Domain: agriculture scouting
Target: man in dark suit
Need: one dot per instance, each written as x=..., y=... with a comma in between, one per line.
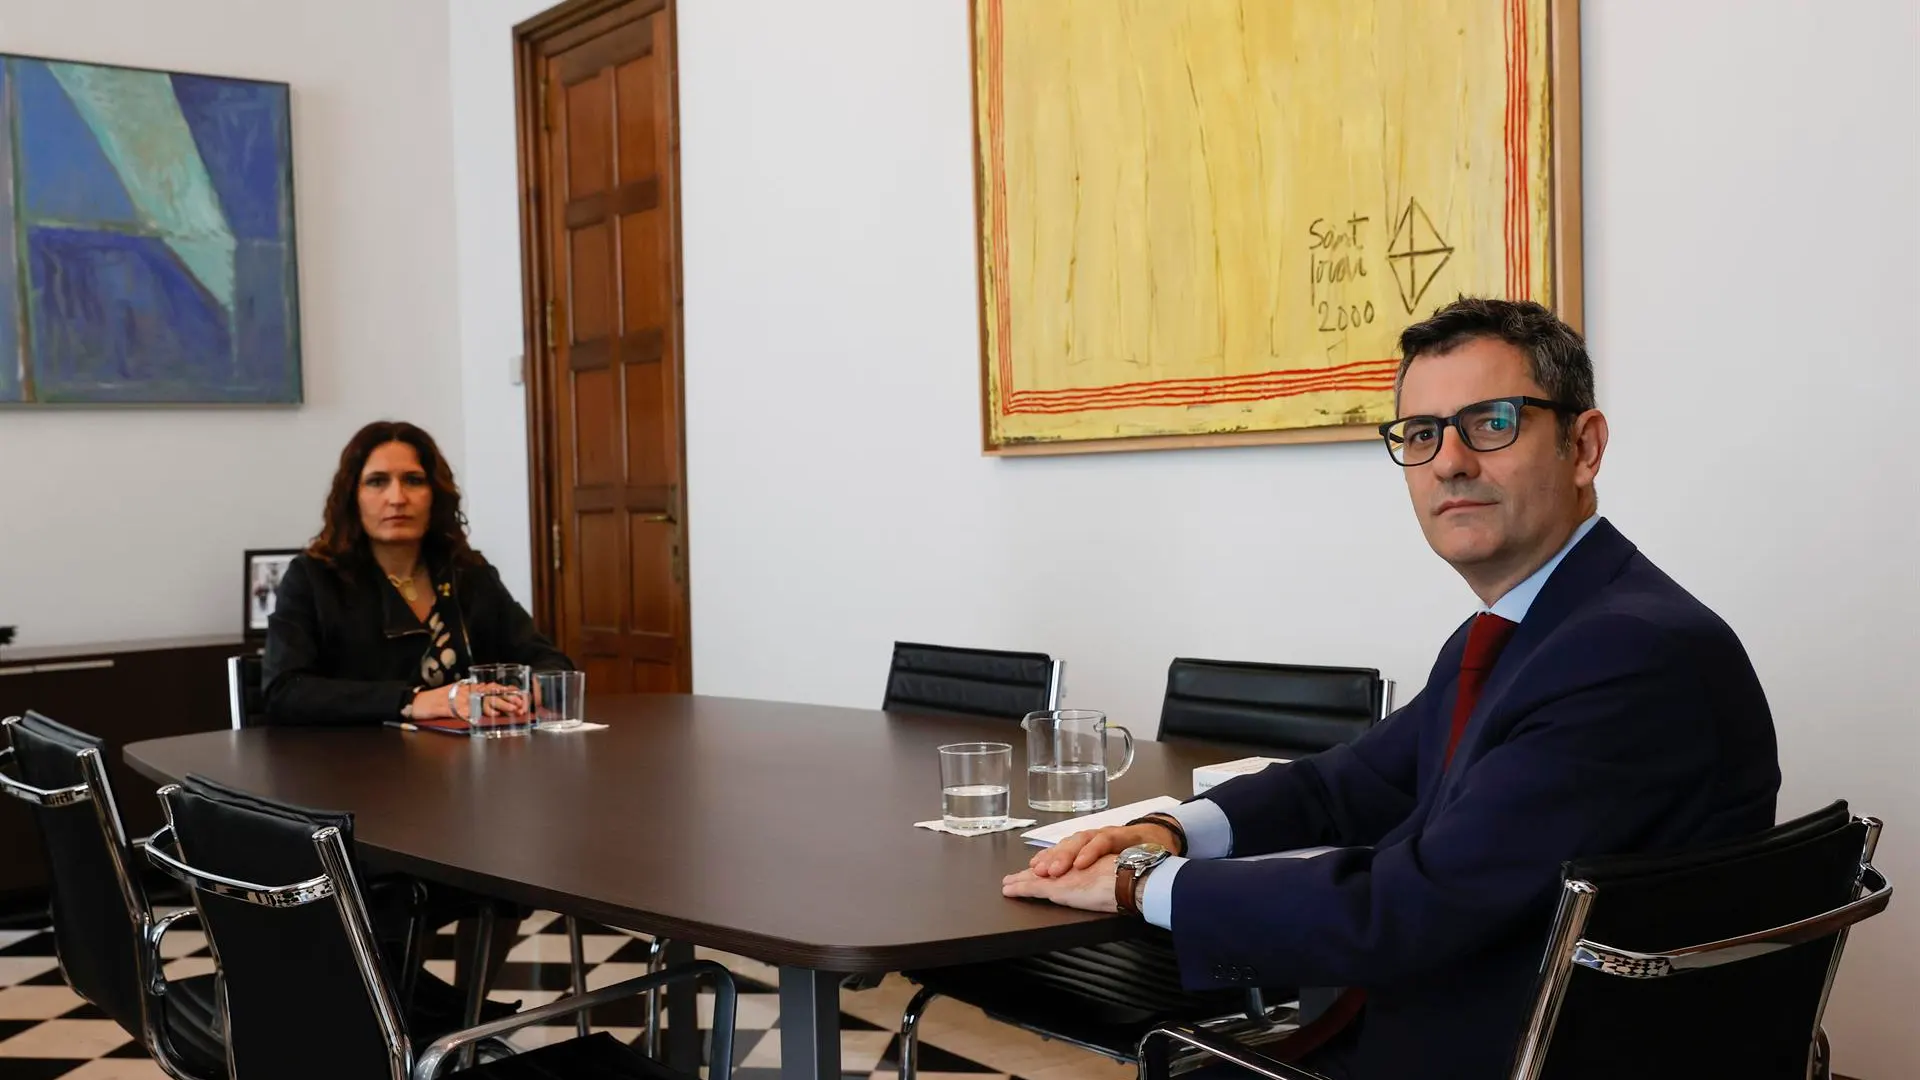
x=1592, y=707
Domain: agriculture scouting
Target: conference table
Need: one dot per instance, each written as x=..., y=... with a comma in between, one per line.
x=781, y=832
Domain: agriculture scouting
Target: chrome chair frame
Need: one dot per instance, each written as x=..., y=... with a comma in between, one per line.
x=236, y=700
x=98, y=790
x=1568, y=948
x=339, y=884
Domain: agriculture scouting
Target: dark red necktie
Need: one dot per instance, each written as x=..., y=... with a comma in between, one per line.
x=1485, y=639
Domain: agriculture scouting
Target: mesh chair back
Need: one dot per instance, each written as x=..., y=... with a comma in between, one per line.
x=948, y=681
x=97, y=937
x=297, y=1005
x=1753, y=1018
x=1292, y=708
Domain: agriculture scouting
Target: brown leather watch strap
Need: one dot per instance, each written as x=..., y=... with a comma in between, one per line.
x=1169, y=823
x=1124, y=887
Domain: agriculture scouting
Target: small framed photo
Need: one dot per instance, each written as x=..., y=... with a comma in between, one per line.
x=264, y=570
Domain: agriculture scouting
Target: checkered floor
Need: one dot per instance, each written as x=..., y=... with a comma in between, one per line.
x=47, y=1031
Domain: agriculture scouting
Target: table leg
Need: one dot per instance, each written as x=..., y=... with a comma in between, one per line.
x=477, y=988
x=809, y=1024
x=683, y=1014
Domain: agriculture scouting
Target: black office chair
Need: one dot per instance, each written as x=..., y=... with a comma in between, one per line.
x=1717, y=962
x=943, y=680
x=104, y=930
x=1290, y=709
x=306, y=993
x=247, y=707
x=246, y=698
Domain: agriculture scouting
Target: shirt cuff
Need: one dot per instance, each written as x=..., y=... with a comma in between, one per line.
x=1156, y=898
x=1209, y=833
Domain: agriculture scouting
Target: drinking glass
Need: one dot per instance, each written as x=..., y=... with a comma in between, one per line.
x=560, y=699
x=975, y=782
x=499, y=700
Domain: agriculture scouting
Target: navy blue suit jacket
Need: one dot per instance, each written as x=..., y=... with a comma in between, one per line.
x=1623, y=716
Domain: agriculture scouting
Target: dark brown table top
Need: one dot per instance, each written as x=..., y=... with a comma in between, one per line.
x=777, y=831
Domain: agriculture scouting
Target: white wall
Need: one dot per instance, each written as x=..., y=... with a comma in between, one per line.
x=1750, y=176
x=129, y=523
x=487, y=212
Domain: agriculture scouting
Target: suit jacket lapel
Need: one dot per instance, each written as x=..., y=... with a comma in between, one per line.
x=1593, y=562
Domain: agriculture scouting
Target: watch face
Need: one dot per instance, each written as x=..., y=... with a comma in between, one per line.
x=1143, y=855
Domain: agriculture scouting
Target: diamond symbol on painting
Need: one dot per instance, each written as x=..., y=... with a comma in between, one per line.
x=1416, y=254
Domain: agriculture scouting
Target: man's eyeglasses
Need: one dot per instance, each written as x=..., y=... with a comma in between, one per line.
x=1483, y=426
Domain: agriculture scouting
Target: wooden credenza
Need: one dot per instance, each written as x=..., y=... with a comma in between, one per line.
x=122, y=692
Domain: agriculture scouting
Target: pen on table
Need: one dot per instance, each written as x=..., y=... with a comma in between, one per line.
x=401, y=724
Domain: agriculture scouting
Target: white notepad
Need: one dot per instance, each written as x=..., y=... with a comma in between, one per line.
x=1049, y=835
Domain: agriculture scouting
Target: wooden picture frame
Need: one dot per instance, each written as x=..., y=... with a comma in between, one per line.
x=1066, y=367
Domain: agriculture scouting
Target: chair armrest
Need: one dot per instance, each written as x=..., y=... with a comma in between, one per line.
x=723, y=1016
x=1627, y=963
x=1155, y=1068
x=157, y=986
x=33, y=796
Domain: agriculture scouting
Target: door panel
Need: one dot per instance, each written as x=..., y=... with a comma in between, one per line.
x=641, y=246
x=598, y=425
x=635, y=92
x=592, y=271
x=649, y=457
x=589, y=157
x=602, y=558
x=653, y=608
x=653, y=679
x=616, y=472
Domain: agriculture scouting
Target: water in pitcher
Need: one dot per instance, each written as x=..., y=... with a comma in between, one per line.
x=975, y=806
x=1075, y=788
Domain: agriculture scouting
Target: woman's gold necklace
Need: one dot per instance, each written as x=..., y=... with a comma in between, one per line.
x=406, y=587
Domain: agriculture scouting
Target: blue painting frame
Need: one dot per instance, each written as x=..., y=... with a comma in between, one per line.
x=147, y=248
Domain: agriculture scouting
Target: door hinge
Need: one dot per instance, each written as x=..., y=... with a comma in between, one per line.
x=549, y=343
x=556, y=547
x=546, y=118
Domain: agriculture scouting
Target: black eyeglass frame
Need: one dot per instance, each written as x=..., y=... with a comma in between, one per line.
x=1519, y=402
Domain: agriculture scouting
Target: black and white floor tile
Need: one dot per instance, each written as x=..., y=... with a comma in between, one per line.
x=46, y=1031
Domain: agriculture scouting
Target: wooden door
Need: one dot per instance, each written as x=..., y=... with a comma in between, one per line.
x=605, y=284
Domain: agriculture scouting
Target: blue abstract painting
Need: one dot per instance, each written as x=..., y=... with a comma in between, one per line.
x=146, y=244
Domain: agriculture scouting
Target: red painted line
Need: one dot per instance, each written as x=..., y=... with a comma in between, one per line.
x=1203, y=393
x=1507, y=135
x=1225, y=398
x=1388, y=366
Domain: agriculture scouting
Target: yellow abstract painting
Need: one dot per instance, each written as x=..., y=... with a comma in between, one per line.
x=1207, y=218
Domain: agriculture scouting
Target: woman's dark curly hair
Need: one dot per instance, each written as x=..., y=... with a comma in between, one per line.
x=342, y=543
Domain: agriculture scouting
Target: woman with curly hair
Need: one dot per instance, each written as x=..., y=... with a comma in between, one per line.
x=380, y=619
x=386, y=610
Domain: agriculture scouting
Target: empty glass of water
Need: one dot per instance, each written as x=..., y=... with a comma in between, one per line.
x=975, y=781
x=499, y=700
x=560, y=699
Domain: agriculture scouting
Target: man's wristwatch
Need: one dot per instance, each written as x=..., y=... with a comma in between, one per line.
x=1133, y=865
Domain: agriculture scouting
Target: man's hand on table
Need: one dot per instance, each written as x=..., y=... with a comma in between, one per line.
x=1078, y=872
x=1089, y=888
x=1082, y=849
